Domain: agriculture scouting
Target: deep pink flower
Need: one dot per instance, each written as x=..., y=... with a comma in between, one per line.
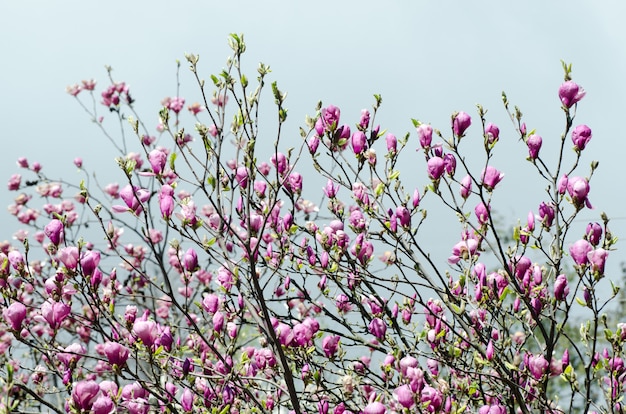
x=89, y=261
x=570, y=93
x=404, y=216
x=425, y=135
x=466, y=187
x=158, y=159
x=546, y=214
x=534, y=145
x=54, y=312
x=133, y=197
x=538, y=366
x=435, y=167
x=405, y=396
x=54, y=231
x=450, y=164
x=581, y=135
x=14, y=182
x=432, y=396
x=392, y=143
x=103, y=405
x=330, y=345
x=242, y=176
x=166, y=201
x=84, y=394
x=378, y=328
x=597, y=259
x=218, y=321
x=374, y=408
x=69, y=257
x=578, y=189
x=460, y=122
x=147, y=331
x=330, y=118
x=491, y=177
x=359, y=142
x=190, y=260
x=186, y=400
x=579, y=251
x=116, y=353
x=561, y=289
x=492, y=132
x=594, y=233
x=71, y=354
x=492, y=409
x=14, y=315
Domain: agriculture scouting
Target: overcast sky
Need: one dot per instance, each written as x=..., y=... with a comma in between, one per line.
x=427, y=59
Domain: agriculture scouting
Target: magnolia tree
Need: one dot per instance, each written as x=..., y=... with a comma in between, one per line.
x=220, y=288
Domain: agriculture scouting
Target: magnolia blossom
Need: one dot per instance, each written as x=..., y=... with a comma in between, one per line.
x=570, y=93
x=534, y=145
x=425, y=135
x=460, y=122
x=597, y=259
x=561, y=289
x=578, y=189
x=134, y=197
x=84, y=394
x=54, y=231
x=435, y=167
x=581, y=135
x=491, y=177
x=492, y=133
x=579, y=251
x=14, y=315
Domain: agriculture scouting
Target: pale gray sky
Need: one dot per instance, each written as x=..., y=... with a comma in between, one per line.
x=427, y=59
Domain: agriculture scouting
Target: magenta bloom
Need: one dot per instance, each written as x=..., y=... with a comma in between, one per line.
x=330, y=118
x=482, y=213
x=492, y=409
x=538, y=366
x=190, y=260
x=89, y=262
x=103, y=405
x=359, y=142
x=69, y=257
x=491, y=177
x=561, y=289
x=594, y=233
x=404, y=216
x=392, y=143
x=466, y=187
x=378, y=328
x=534, y=145
x=54, y=312
x=158, y=159
x=579, y=251
x=450, y=164
x=14, y=315
x=597, y=259
x=133, y=197
x=186, y=400
x=425, y=135
x=546, y=214
x=492, y=132
x=54, y=231
x=374, y=408
x=578, y=188
x=166, y=201
x=435, y=168
x=116, y=353
x=330, y=345
x=570, y=93
x=405, y=397
x=460, y=123
x=85, y=394
x=581, y=135
x=147, y=331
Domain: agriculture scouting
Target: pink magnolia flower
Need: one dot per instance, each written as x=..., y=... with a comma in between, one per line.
x=14, y=182
x=579, y=251
x=54, y=231
x=534, y=145
x=330, y=118
x=116, y=353
x=71, y=354
x=158, y=159
x=147, y=331
x=134, y=197
x=54, y=312
x=392, y=143
x=435, y=167
x=491, y=177
x=405, y=396
x=538, y=366
x=492, y=133
x=190, y=260
x=578, y=189
x=482, y=213
x=84, y=394
x=460, y=122
x=466, y=187
x=581, y=135
x=378, y=328
x=597, y=259
x=375, y=407
x=166, y=201
x=14, y=315
x=432, y=397
x=186, y=401
x=594, y=233
x=69, y=257
x=425, y=135
x=330, y=345
x=90, y=261
x=103, y=405
x=546, y=214
x=570, y=93
x=359, y=142
x=492, y=409
x=449, y=164
x=561, y=289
